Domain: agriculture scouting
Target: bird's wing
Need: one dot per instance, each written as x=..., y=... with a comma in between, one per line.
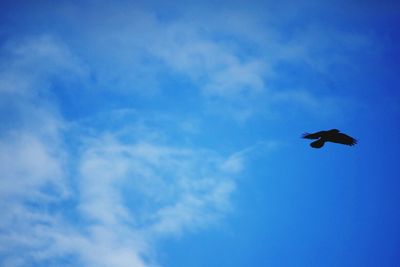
x=318, y=144
x=344, y=139
x=313, y=135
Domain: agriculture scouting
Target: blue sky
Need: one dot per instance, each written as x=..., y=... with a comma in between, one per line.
x=148, y=134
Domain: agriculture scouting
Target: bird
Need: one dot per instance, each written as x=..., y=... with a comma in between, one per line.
x=333, y=135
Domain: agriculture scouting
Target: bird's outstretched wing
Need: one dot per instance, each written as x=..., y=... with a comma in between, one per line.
x=344, y=139
x=313, y=135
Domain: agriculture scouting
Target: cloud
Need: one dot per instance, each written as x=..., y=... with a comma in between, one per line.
x=179, y=188
x=106, y=202
x=84, y=192
x=213, y=66
x=231, y=60
x=33, y=62
x=30, y=140
x=33, y=160
x=27, y=163
x=128, y=195
x=241, y=63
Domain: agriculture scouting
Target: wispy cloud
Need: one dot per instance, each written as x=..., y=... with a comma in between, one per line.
x=104, y=204
x=105, y=199
x=127, y=196
x=33, y=173
x=232, y=59
x=30, y=141
x=178, y=187
x=34, y=61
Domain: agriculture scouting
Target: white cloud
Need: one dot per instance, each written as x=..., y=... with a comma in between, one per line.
x=228, y=55
x=125, y=195
x=97, y=245
x=117, y=196
x=128, y=196
x=33, y=62
x=31, y=153
x=27, y=163
x=178, y=188
x=32, y=158
x=214, y=66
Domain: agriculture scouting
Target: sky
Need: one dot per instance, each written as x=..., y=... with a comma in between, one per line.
x=167, y=134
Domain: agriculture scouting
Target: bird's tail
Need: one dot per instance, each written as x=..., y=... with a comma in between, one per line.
x=318, y=144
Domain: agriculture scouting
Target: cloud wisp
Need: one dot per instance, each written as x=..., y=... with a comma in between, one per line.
x=76, y=193
x=233, y=61
x=105, y=203
x=127, y=196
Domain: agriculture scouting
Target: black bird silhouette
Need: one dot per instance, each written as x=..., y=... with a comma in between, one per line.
x=333, y=135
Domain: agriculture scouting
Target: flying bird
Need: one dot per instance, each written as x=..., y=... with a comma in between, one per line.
x=333, y=135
